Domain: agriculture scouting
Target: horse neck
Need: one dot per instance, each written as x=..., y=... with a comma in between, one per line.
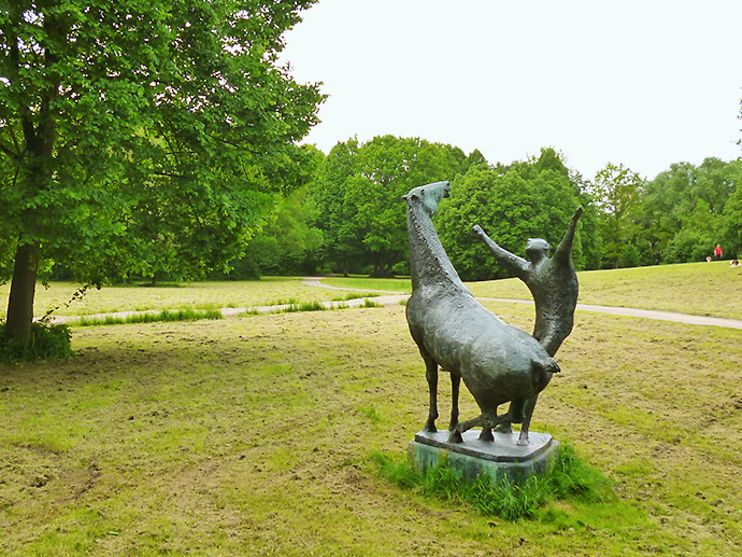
x=429, y=264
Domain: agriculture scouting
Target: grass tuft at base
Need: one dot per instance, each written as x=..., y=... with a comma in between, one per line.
x=568, y=478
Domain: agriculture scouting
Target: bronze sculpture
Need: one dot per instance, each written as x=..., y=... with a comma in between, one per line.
x=499, y=363
x=553, y=285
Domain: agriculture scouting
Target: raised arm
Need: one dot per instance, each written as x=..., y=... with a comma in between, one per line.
x=564, y=249
x=517, y=265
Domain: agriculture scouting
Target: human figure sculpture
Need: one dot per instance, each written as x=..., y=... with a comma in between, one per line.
x=499, y=363
x=553, y=284
x=551, y=280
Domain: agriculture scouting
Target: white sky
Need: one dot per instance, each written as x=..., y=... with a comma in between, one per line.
x=644, y=83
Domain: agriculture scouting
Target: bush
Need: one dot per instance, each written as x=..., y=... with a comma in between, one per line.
x=47, y=342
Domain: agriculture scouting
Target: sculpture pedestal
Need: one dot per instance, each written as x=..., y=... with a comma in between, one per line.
x=499, y=458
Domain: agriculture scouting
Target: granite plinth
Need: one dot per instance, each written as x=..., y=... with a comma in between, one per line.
x=499, y=458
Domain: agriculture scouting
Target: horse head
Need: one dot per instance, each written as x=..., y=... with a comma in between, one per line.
x=428, y=195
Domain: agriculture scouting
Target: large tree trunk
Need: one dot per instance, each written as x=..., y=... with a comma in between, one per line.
x=22, y=289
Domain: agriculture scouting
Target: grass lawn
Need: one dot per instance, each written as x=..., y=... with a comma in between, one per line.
x=197, y=295
x=252, y=436
x=392, y=284
x=697, y=288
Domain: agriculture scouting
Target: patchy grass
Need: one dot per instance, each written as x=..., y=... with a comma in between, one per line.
x=355, y=296
x=252, y=436
x=317, y=306
x=196, y=295
x=712, y=289
x=164, y=315
x=306, y=306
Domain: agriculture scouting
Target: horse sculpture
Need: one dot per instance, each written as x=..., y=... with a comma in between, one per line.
x=499, y=363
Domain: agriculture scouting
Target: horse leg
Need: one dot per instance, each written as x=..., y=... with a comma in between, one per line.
x=455, y=384
x=461, y=427
x=431, y=374
x=528, y=407
x=514, y=416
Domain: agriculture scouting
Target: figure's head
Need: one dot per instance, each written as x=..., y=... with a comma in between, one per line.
x=429, y=195
x=536, y=249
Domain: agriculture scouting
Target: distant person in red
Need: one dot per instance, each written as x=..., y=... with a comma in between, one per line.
x=718, y=252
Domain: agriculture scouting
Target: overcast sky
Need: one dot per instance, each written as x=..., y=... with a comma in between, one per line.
x=644, y=83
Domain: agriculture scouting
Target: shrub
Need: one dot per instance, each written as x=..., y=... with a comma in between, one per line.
x=47, y=342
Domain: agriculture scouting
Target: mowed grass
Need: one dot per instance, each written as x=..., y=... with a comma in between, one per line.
x=196, y=295
x=713, y=289
x=696, y=288
x=254, y=437
x=403, y=285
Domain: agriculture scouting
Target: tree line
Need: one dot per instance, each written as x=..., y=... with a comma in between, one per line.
x=348, y=219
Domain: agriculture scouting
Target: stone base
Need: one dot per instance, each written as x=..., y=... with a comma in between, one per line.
x=499, y=458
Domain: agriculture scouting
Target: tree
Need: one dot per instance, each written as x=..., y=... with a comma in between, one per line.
x=289, y=243
x=126, y=125
x=358, y=192
x=731, y=230
x=535, y=198
x=615, y=190
x=686, y=210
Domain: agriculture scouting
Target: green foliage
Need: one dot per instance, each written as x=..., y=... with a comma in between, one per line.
x=164, y=315
x=568, y=478
x=144, y=138
x=47, y=342
x=357, y=193
x=288, y=244
x=616, y=190
x=528, y=199
x=686, y=210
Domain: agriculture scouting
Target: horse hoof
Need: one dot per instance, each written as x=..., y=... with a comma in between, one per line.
x=522, y=442
x=486, y=435
x=430, y=428
x=455, y=437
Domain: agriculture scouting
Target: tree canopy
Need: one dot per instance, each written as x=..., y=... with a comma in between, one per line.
x=140, y=134
x=358, y=190
x=527, y=199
